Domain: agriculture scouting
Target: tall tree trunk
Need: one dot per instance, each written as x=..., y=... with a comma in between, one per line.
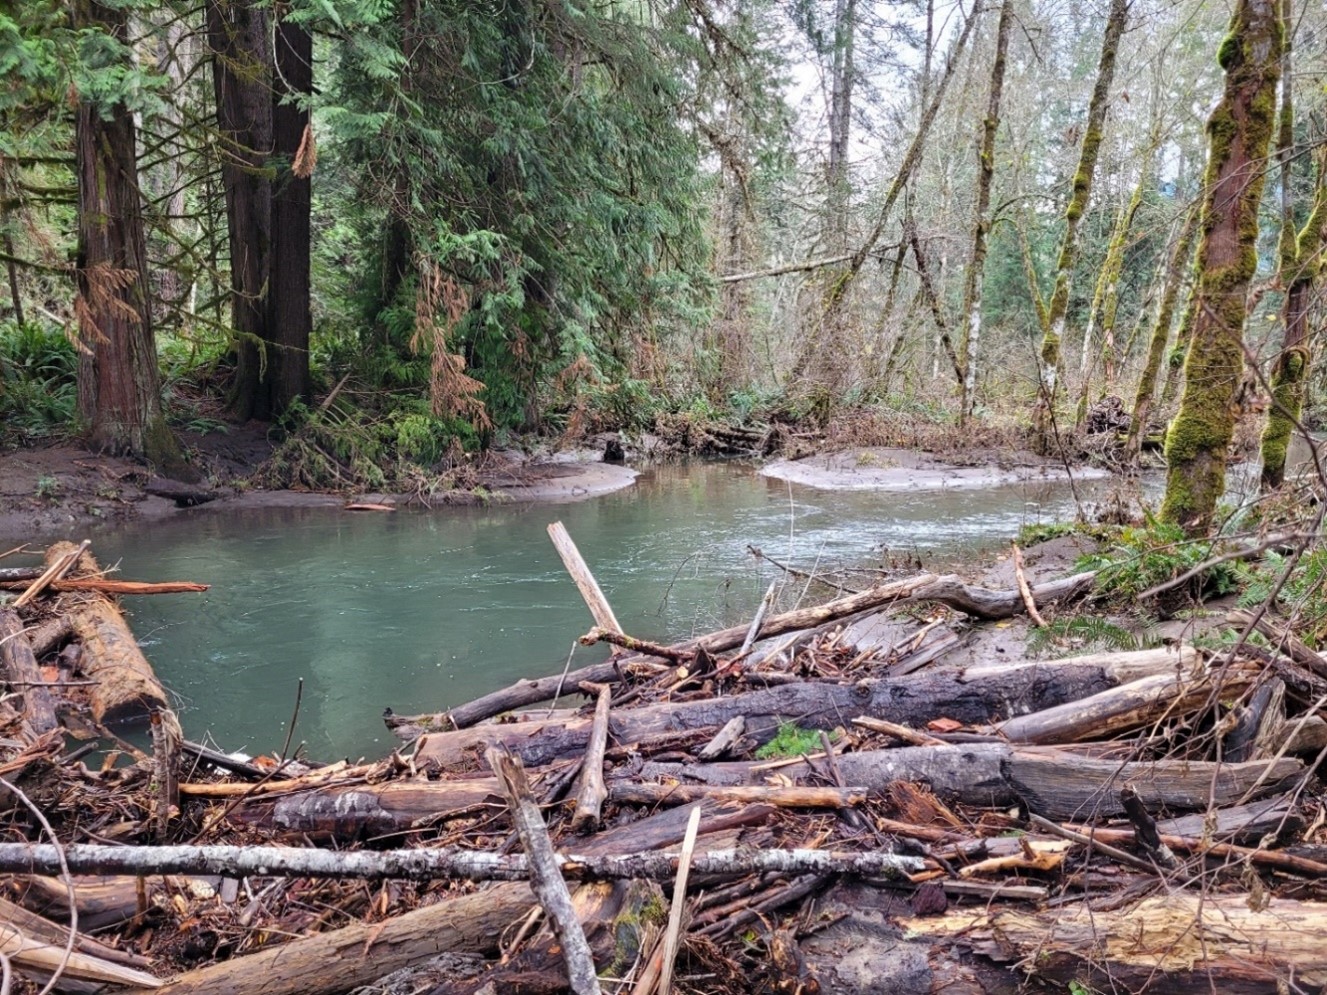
x=1058, y=309
x=1292, y=366
x=970, y=340
x=119, y=394
x=290, y=322
x=241, y=75
x=1156, y=349
x=1239, y=133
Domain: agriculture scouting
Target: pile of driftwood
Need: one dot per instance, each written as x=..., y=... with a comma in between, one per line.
x=1118, y=822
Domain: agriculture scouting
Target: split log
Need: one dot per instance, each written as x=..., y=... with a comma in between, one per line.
x=105, y=900
x=35, y=956
x=1182, y=943
x=1051, y=782
x=531, y=692
x=56, y=567
x=24, y=675
x=1128, y=706
x=126, y=687
x=36, y=927
x=339, y=960
x=970, y=698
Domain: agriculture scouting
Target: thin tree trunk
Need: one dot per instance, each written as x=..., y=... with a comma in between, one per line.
x=1239, y=132
x=1058, y=309
x=118, y=387
x=1156, y=350
x=970, y=341
x=15, y=298
x=241, y=76
x=290, y=322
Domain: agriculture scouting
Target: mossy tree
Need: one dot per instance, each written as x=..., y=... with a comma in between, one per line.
x=1057, y=311
x=1239, y=134
x=970, y=340
x=1300, y=266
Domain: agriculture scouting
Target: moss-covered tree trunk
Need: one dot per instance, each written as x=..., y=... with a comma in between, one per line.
x=1057, y=311
x=1239, y=135
x=119, y=391
x=1156, y=349
x=1292, y=366
x=970, y=342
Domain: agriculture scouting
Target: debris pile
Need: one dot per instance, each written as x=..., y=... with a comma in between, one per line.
x=786, y=806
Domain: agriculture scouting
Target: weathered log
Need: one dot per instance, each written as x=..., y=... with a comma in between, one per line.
x=126, y=687
x=532, y=692
x=1052, y=782
x=36, y=927
x=591, y=793
x=685, y=794
x=970, y=698
x=1125, y=707
x=103, y=900
x=1179, y=943
x=600, y=860
x=1241, y=824
x=56, y=567
x=983, y=603
x=49, y=635
x=600, y=610
x=35, y=956
x=24, y=675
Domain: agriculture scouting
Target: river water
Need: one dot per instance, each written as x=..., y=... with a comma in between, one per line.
x=421, y=610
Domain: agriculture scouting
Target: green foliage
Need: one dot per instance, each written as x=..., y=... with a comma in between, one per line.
x=37, y=381
x=791, y=741
x=1081, y=634
x=1142, y=557
x=48, y=488
x=1303, y=593
x=1039, y=532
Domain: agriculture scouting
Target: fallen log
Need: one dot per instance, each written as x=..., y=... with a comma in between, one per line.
x=1181, y=943
x=23, y=675
x=984, y=603
x=532, y=692
x=38, y=957
x=591, y=792
x=1050, y=782
x=126, y=687
x=976, y=698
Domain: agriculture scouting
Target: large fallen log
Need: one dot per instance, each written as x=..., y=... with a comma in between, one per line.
x=1050, y=782
x=972, y=698
x=532, y=692
x=126, y=687
x=1178, y=943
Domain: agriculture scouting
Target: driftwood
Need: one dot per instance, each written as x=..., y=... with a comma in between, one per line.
x=104, y=586
x=1179, y=943
x=1050, y=782
x=19, y=667
x=56, y=567
x=591, y=793
x=126, y=687
x=532, y=692
x=35, y=956
x=600, y=609
x=984, y=603
x=972, y=698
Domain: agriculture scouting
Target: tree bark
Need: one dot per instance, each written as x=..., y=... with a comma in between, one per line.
x=237, y=32
x=119, y=392
x=1239, y=133
x=1058, y=309
x=290, y=321
x=24, y=676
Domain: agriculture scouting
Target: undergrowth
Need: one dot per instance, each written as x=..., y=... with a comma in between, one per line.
x=38, y=392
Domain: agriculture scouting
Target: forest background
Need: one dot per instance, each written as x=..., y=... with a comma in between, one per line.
x=399, y=232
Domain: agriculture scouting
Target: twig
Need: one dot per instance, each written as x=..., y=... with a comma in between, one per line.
x=1026, y=591
x=1128, y=859
x=65, y=876
x=673, y=936
x=617, y=638
x=897, y=731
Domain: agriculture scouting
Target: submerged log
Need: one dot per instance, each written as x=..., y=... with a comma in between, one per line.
x=972, y=698
x=126, y=687
x=1179, y=943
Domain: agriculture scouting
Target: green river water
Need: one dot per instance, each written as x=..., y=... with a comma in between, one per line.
x=421, y=610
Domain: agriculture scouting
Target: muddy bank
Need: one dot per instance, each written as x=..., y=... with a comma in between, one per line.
x=50, y=490
x=893, y=469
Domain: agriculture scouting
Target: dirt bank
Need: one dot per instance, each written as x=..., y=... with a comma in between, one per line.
x=48, y=491
x=891, y=469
